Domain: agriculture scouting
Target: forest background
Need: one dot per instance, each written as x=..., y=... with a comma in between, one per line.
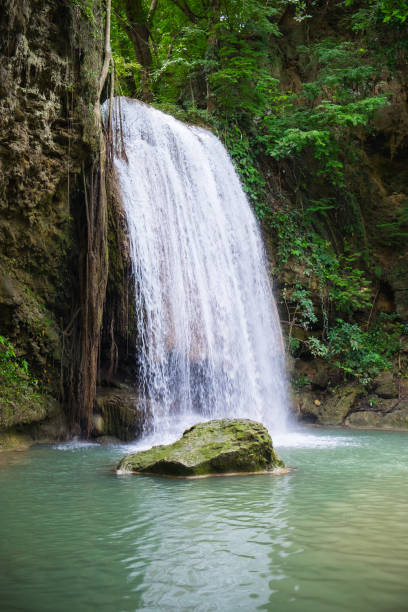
x=296, y=90
x=310, y=98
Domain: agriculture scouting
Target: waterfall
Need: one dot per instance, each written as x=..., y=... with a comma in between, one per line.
x=209, y=335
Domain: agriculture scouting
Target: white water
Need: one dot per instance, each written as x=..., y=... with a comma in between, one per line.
x=210, y=342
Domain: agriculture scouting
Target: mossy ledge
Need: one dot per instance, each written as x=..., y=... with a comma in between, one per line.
x=218, y=447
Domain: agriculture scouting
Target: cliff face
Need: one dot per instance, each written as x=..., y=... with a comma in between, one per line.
x=50, y=57
x=376, y=173
x=365, y=220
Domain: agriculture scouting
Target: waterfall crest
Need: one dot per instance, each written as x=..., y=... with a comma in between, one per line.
x=210, y=342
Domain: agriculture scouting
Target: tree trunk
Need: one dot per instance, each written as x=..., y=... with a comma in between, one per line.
x=138, y=32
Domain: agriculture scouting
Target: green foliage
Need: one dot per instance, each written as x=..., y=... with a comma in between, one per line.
x=300, y=382
x=303, y=311
x=87, y=9
x=356, y=352
x=241, y=148
x=343, y=287
x=344, y=291
x=215, y=54
x=218, y=57
x=322, y=115
x=381, y=25
x=395, y=233
x=14, y=370
x=359, y=353
x=389, y=10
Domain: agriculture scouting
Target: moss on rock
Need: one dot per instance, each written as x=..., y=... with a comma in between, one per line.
x=385, y=416
x=14, y=440
x=329, y=408
x=217, y=447
x=120, y=413
x=385, y=385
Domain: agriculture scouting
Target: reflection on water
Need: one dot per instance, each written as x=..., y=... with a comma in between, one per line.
x=331, y=535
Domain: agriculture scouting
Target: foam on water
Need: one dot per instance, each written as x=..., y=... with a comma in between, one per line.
x=75, y=445
x=303, y=438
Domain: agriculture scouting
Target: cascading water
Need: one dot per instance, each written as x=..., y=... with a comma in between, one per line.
x=210, y=342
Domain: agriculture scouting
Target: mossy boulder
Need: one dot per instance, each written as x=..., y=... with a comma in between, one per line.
x=43, y=425
x=20, y=405
x=217, y=447
x=329, y=408
x=121, y=413
x=14, y=440
x=385, y=385
x=365, y=419
x=386, y=416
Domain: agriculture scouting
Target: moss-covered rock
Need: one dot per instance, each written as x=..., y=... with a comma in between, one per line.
x=365, y=419
x=14, y=440
x=315, y=372
x=217, y=447
x=120, y=413
x=44, y=423
x=398, y=419
x=385, y=385
x=382, y=414
x=50, y=62
x=54, y=428
x=329, y=408
x=20, y=405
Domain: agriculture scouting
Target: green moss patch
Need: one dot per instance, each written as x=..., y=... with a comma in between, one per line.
x=217, y=447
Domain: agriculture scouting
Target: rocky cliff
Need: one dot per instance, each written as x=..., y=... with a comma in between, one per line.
x=50, y=58
x=339, y=246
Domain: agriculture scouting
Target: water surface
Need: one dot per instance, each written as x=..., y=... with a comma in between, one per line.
x=331, y=535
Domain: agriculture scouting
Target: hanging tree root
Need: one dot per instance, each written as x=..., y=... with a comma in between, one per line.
x=96, y=258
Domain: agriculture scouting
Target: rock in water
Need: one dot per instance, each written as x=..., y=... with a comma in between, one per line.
x=224, y=446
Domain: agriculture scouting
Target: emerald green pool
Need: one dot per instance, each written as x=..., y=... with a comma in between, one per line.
x=331, y=535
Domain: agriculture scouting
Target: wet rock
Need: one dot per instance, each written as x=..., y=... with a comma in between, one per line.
x=121, y=413
x=385, y=385
x=9, y=292
x=398, y=418
x=379, y=413
x=14, y=440
x=394, y=419
x=44, y=422
x=317, y=372
x=328, y=408
x=47, y=141
x=398, y=279
x=380, y=404
x=364, y=419
x=217, y=447
x=108, y=441
x=54, y=427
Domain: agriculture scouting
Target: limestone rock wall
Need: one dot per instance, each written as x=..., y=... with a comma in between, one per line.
x=50, y=58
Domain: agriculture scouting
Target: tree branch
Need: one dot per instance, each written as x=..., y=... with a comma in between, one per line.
x=186, y=10
x=108, y=50
x=152, y=9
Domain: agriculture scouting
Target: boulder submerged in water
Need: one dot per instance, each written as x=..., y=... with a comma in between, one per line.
x=224, y=446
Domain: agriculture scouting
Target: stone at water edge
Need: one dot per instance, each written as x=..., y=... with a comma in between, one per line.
x=224, y=446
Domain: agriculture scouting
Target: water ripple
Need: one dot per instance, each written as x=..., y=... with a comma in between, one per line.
x=331, y=535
